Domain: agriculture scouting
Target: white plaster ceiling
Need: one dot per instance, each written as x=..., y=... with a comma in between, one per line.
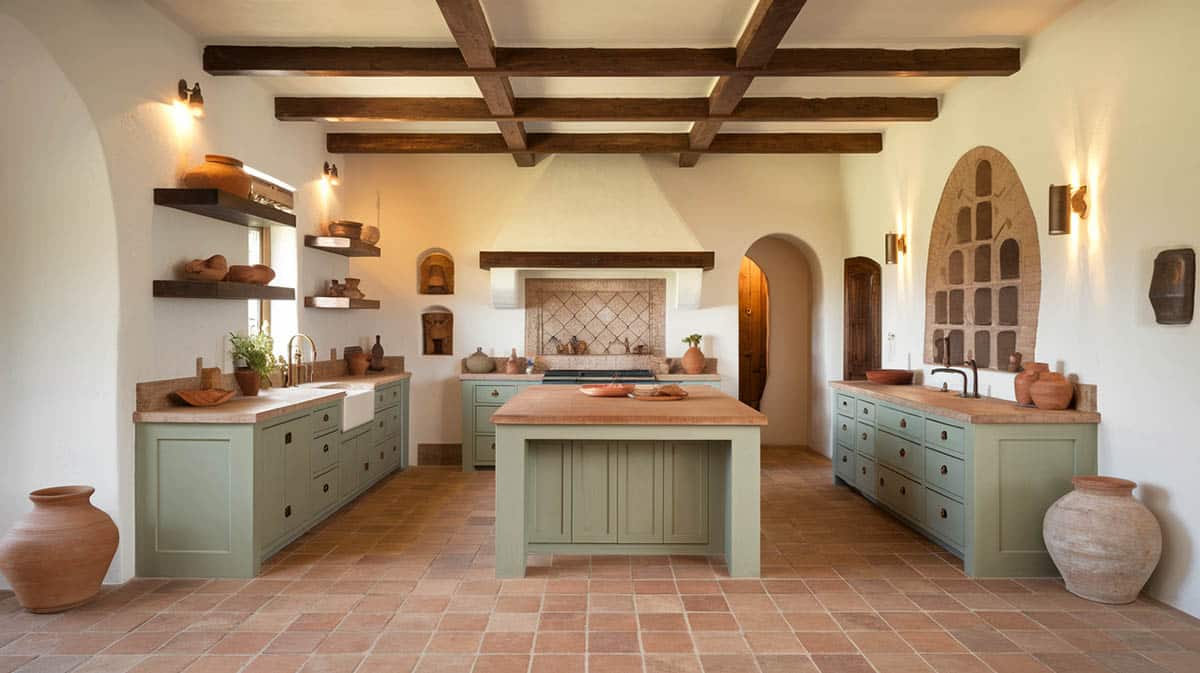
x=612, y=23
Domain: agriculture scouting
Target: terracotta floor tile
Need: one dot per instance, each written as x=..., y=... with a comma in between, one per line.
x=666, y=642
x=1014, y=663
x=557, y=663
x=708, y=642
x=332, y=663
x=825, y=642
x=562, y=642
x=786, y=663
x=712, y=621
x=842, y=663
x=445, y=663
x=1177, y=662
x=932, y=642
x=107, y=663
x=728, y=663
x=880, y=642
x=957, y=663
x=612, y=641
x=774, y=643
x=502, y=663
x=614, y=663
x=899, y=663
x=296, y=642
x=402, y=642
x=217, y=664
x=276, y=663
x=662, y=622
x=164, y=663
x=505, y=643
x=388, y=663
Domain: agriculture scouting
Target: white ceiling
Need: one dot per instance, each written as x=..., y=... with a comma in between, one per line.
x=612, y=23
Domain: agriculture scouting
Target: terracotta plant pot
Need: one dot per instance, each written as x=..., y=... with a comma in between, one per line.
x=56, y=556
x=1104, y=542
x=514, y=364
x=1029, y=374
x=479, y=362
x=248, y=380
x=693, y=361
x=220, y=172
x=358, y=363
x=1052, y=391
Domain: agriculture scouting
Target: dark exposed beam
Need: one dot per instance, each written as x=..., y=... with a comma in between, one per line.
x=663, y=62
x=607, y=109
x=500, y=259
x=603, y=143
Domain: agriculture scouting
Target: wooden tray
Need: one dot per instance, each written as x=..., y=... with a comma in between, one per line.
x=606, y=389
x=205, y=398
x=658, y=398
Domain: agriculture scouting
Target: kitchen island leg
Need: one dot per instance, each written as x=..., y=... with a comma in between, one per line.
x=742, y=519
x=510, y=501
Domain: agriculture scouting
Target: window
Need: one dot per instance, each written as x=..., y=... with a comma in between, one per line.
x=259, y=252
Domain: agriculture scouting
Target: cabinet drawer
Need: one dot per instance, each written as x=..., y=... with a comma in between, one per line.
x=387, y=397
x=942, y=436
x=944, y=472
x=945, y=517
x=324, y=492
x=483, y=419
x=485, y=449
x=326, y=419
x=900, y=454
x=900, y=493
x=494, y=394
x=864, y=478
x=845, y=430
x=864, y=439
x=391, y=451
x=844, y=464
x=324, y=452
x=900, y=422
x=864, y=411
x=845, y=405
x=391, y=421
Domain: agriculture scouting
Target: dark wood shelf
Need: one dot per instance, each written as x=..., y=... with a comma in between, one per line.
x=340, y=245
x=698, y=259
x=340, y=303
x=223, y=206
x=219, y=289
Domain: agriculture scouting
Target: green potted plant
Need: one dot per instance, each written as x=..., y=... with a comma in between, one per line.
x=253, y=358
x=693, y=359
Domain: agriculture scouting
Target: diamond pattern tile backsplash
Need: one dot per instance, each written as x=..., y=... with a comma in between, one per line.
x=612, y=316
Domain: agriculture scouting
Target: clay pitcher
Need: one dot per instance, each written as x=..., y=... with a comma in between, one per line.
x=1052, y=391
x=1104, y=542
x=1029, y=374
x=693, y=361
x=56, y=556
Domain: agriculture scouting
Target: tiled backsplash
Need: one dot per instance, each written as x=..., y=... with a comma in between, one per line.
x=614, y=317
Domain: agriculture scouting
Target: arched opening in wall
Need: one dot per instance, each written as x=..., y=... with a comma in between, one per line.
x=776, y=309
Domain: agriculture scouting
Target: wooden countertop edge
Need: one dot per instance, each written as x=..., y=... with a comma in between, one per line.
x=538, y=377
x=726, y=421
x=1014, y=414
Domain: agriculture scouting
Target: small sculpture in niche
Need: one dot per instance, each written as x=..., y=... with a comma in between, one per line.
x=436, y=274
x=437, y=329
x=1173, y=287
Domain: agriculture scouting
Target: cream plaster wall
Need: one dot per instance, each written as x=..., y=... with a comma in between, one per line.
x=1105, y=95
x=473, y=203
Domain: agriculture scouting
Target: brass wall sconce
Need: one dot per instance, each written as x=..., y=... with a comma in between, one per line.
x=191, y=98
x=1063, y=201
x=893, y=245
x=330, y=173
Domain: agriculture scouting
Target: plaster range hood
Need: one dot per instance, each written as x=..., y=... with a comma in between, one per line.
x=684, y=270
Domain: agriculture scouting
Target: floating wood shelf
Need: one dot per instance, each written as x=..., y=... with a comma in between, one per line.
x=340, y=245
x=340, y=302
x=597, y=260
x=223, y=206
x=219, y=289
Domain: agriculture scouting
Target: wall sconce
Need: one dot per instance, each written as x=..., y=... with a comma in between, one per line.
x=191, y=98
x=330, y=174
x=1063, y=202
x=893, y=245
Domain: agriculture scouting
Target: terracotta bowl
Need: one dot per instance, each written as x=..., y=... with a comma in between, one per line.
x=345, y=228
x=205, y=398
x=890, y=377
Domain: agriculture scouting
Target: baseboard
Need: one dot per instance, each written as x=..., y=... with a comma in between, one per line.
x=439, y=454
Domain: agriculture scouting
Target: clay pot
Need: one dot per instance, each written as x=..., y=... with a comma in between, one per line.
x=1029, y=374
x=350, y=289
x=377, y=355
x=370, y=234
x=56, y=555
x=213, y=268
x=219, y=172
x=1104, y=542
x=1052, y=391
x=210, y=378
x=358, y=363
x=248, y=380
x=693, y=361
x=514, y=364
x=345, y=228
x=479, y=362
x=259, y=274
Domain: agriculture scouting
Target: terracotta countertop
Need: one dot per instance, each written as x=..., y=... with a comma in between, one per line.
x=564, y=405
x=493, y=376
x=985, y=410
x=372, y=379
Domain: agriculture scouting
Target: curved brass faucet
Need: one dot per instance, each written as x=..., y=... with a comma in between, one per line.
x=296, y=370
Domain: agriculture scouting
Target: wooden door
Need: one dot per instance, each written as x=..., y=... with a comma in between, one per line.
x=862, y=342
x=752, y=332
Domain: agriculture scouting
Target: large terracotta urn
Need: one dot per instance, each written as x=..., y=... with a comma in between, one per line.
x=693, y=361
x=1052, y=391
x=220, y=172
x=1022, y=382
x=56, y=556
x=1104, y=542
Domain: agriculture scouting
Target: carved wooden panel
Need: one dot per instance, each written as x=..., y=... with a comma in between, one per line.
x=983, y=284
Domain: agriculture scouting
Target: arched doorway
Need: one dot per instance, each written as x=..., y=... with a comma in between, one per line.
x=862, y=342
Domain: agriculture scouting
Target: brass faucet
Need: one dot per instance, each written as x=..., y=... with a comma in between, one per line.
x=947, y=369
x=295, y=374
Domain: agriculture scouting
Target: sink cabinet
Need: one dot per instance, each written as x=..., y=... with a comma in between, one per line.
x=216, y=500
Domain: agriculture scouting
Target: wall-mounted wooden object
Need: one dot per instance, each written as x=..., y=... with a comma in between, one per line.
x=218, y=289
x=437, y=330
x=597, y=260
x=1173, y=287
x=224, y=206
x=435, y=273
x=340, y=302
x=340, y=245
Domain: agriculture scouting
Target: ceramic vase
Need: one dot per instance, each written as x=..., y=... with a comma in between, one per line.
x=219, y=172
x=1029, y=374
x=1052, y=391
x=56, y=555
x=377, y=355
x=479, y=362
x=1104, y=542
x=693, y=361
x=248, y=380
x=358, y=363
x=514, y=364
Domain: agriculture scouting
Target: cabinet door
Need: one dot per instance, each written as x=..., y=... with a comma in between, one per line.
x=639, y=492
x=269, y=483
x=593, y=491
x=547, y=491
x=297, y=449
x=350, y=468
x=685, y=492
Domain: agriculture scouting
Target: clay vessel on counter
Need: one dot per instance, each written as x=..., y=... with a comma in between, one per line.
x=1104, y=542
x=219, y=172
x=1052, y=391
x=259, y=274
x=248, y=380
x=377, y=355
x=358, y=363
x=479, y=362
x=693, y=361
x=1029, y=374
x=56, y=555
x=213, y=268
x=210, y=378
x=514, y=364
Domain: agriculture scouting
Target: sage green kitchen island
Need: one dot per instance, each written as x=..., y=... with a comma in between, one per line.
x=590, y=475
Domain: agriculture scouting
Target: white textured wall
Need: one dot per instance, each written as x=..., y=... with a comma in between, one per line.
x=1106, y=95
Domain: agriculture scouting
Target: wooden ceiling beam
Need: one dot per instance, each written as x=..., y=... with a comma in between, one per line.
x=660, y=62
x=603, y=143
x=606, y=109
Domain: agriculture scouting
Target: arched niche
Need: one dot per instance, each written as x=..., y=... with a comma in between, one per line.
x=435, y=272
x=437, y=331
x=1010, y=259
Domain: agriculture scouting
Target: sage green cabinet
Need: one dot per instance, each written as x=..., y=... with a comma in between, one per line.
x=640, y=492
x=685, y=492
x=480, y=399
x=548, y=492
x=594, y=491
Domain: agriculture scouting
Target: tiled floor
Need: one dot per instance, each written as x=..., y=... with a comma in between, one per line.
x=402, y=580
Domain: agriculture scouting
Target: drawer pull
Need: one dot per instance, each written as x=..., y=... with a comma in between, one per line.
x=903, y=423
x=325, y=418
x=381, y=424
x=864, y=470
x=366, y=467
x=945, y=436
x=864, y=436
x=381, y=455
x=287, y=438
x=943, y=513
x=944, y=470
x=903, y=452
x=325, y=488
x=903, y=490
x=495, y=393
x=844, y=459
x=325, y=449
x=844, y=427
x=881, y=482
x=866, y=411
x=287, y=511
x=493, y=446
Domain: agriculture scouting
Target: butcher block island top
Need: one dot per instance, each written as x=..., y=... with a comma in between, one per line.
x=565, y=405
x=982, y=411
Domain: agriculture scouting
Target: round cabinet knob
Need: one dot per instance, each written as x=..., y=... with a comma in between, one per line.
x=903, y=423
x=945, y=436
x=903, y=490
x=944, y=470
x=866, y=411
x=844, y=459
x=903, y=452
x=495, y=393
x=844, y=427
x=325, y=449
x=325, y=418
x=864, y=436
x=844, y=403
x=325, y=488
x=943, y=513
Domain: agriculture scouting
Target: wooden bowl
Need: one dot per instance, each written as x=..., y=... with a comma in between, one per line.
x=890, y=377
x=606, y=389
x=205, y=398
x=345, y=228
